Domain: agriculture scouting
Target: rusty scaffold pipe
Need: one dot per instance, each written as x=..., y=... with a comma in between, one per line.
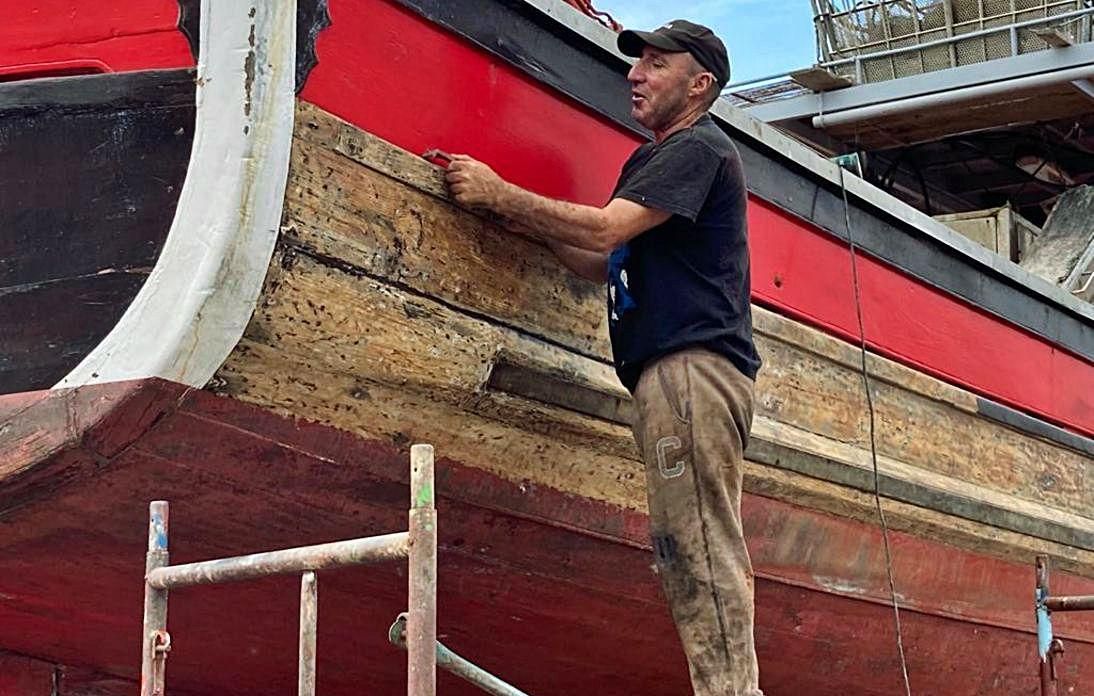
x=454, y=664
x=155, y=641
x=418, y=545
x=309, y=619
x=1049, y=647
x=422, y=589
x=296, y=560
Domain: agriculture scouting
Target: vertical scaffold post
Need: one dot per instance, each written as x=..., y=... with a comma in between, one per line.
x=155, y=641
x=422, y=591
x=1045, y=640
x=309, y=617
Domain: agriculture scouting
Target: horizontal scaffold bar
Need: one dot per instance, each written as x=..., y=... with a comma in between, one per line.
x=1078, y=603
x=337, y=554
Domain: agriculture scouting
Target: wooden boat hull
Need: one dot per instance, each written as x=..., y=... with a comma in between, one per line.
x=90, y=173
x=553, y=591
x=310, y=318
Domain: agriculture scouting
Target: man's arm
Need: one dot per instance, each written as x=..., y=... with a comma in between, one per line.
x=591, y=265
x=583, y=228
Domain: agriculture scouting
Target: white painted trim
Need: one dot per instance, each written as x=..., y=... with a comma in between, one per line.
x=924, y=102
x=741, y=121
x=193, y=308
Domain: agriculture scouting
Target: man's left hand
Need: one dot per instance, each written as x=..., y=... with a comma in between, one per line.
x=474, y=184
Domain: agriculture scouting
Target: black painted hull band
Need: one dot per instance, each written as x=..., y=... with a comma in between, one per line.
x=91, y=168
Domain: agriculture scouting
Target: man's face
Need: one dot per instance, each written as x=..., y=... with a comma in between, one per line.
x=659, y=86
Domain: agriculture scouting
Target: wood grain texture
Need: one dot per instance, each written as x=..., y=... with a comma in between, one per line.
x=395, y=228
x=910, y=269
x=404, y=368
x=383, y=363
x=387, y=308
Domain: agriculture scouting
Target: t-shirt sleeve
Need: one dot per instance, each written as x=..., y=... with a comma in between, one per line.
x=676, y=179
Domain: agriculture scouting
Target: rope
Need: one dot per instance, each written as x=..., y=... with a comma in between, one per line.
x=586, y=7
x=873, y=436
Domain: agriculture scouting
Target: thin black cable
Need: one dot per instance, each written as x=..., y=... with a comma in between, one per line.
x=873, y=437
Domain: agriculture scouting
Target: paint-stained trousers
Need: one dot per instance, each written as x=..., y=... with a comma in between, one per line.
x=694, y=412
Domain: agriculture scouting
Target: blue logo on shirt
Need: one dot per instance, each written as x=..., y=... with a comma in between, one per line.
x=620, y=300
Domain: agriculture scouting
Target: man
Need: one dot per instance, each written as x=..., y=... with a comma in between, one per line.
x=672, y=244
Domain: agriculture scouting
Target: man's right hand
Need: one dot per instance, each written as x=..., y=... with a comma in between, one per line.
x=474, y=184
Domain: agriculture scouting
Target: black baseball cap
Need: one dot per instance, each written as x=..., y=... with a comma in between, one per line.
x=680, y=36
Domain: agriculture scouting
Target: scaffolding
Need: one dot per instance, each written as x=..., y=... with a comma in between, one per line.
x=877, y=40
x=415, y=630
x=1049, y=647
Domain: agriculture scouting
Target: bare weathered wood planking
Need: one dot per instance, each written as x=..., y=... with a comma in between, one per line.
x=404, y=235
x=418, y=382
x=460, y=260
x=375, y=360
x=387, y=309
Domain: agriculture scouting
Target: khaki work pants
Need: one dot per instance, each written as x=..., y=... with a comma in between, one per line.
x=694, y=412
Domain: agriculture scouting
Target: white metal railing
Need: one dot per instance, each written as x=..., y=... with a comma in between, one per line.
x=879, y=40
x=854, y=65
x=1011, y=30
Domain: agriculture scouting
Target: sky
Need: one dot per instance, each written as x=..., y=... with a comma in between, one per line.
x=763, y=36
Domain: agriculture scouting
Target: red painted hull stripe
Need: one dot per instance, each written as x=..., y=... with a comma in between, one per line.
x=110, y=36
x=463, y=100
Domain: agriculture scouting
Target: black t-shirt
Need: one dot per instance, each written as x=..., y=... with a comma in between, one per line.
x=684, y=283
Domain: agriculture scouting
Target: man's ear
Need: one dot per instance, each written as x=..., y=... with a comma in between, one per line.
x=702, y=83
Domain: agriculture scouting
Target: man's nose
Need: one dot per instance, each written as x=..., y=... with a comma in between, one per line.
x=635, y=76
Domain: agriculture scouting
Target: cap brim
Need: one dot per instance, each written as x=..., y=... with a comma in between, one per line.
x=631, y=42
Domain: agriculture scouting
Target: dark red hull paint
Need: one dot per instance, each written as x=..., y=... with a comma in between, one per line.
x=395, y=74
x=42, y=38
x=26, y=676
x=552, y=591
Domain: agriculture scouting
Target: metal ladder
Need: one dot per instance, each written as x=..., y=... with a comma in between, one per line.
x=415, y=630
